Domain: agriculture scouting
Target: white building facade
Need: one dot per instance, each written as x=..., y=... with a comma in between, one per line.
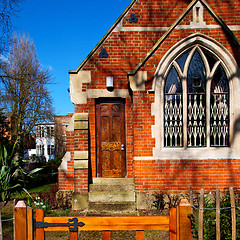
x=45, y=142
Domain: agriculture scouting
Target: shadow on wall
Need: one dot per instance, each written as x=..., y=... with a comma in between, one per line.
x=216, y=173
x=236, y=130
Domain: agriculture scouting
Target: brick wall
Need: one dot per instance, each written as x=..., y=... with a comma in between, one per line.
x=179, y=175
x=126, y=49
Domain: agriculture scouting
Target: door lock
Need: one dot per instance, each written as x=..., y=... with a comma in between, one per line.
x=122, y=147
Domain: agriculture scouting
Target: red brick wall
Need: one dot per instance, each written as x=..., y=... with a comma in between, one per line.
x=126, y=50
x=179, y=175
x=66, y=178
x=75, y=179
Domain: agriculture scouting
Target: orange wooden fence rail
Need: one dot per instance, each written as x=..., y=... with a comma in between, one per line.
x=177, y=223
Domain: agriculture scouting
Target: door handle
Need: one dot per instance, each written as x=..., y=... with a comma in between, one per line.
x=122, y=147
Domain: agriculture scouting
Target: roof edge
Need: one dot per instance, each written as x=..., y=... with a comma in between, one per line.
x=220, y=21
x=103, y=39
x=164, y=36
x=172, y=27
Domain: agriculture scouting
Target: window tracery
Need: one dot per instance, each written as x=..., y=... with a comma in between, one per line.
x=198, y=77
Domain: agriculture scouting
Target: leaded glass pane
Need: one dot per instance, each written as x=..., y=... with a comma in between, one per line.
x=196, y=86
x=211, y=60
x=182, y=59
x=219, y=109
x=173, y=110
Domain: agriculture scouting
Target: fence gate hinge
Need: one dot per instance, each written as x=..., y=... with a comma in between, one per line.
x=72, y=224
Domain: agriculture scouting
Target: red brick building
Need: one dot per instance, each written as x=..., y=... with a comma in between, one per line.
x=157, y=100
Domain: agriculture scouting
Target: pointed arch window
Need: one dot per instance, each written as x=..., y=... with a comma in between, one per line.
x=196, y=101
x=219, y=109
x=173, y=110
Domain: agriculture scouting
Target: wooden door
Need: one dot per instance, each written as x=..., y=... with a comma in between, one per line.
x=111, y=154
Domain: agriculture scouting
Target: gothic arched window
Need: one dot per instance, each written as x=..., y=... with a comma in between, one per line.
x=196, y=101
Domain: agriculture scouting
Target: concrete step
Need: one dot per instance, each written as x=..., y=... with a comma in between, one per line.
x=111, y=187
x=112, y=181
x=112, y=196
x=112, y=207
x=111, y=213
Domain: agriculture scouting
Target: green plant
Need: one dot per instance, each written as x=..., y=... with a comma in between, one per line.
x=42, y=204
x=165, y=201
x=50, y=196
x=48, y=175
x=209, y=219
x=9, y=169
x=209, y=216
x=11, y=174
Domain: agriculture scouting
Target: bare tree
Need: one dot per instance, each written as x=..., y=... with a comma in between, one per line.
x=8, y=9
x=25, y=88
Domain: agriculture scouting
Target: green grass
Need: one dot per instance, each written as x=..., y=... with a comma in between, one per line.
x=33, y=191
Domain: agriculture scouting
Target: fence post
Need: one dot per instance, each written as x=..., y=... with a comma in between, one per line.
x=200, y=218
x=191, y=198
x=173, y=224
x=73, y=235
x=183, y=222
x=106, y=235
x=218, y=229
x=233, y=212
x=40, y=234
x=14, y=204
x=139, y=235
x=23, y=221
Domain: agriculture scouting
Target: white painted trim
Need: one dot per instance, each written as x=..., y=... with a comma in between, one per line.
x=96, y=93
x=192, y=154
x=179, y=27
x=65, y=159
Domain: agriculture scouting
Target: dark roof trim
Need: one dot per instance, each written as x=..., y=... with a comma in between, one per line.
x=103, y=39
x=172, y=27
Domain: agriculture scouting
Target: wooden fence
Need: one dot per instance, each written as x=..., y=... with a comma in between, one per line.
x=217, y=209
x=177, y=223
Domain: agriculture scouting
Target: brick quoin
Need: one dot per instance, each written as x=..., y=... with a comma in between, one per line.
x=127, y=48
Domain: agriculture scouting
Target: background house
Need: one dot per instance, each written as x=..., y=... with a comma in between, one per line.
x=61, y=123
x=45, y=140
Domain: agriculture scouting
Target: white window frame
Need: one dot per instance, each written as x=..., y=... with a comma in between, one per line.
x=232, y=71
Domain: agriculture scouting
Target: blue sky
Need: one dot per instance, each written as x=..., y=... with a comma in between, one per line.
x=64, y=32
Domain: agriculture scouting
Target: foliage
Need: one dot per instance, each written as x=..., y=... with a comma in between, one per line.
x=20, y=195
x=9, y=169
x=50, y=196
x=4, y=130
x=165, y=200
x=53, y=198
x=53, y=164
x=42, y=204
x=209, y=219
x=24, y=89
x=64, y=200
x=11, y=174
x=48, y=175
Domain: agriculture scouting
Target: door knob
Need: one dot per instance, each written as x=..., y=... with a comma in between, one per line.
x=122, y=147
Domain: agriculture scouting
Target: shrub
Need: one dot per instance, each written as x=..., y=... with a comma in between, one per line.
x=42, y=204
x=48, y=175
x=209, y=219
x=166, y=200
x=12, y=175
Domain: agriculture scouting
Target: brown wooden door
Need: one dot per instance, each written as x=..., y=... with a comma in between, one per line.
x=111, y=138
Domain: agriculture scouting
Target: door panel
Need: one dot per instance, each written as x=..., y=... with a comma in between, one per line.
x=110, y=138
